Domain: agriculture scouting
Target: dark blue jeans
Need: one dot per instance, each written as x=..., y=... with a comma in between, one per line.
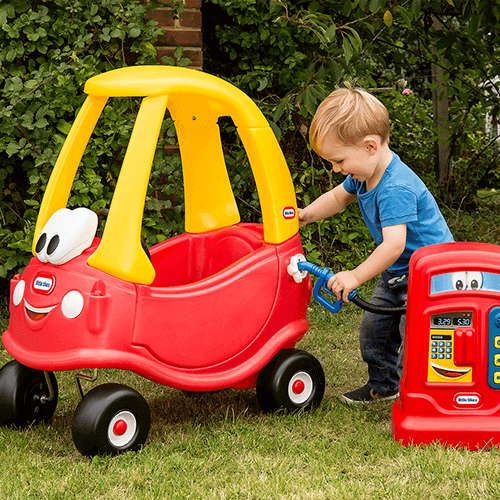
x=381, y=337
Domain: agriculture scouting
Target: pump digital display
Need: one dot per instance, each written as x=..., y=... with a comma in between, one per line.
x=442, y=321
x=452, y=319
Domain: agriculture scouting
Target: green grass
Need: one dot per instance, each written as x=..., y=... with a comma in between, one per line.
x=220, y=446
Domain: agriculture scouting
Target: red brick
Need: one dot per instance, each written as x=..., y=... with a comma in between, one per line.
x=165, y=3
x=162, y=17
x=179, y=36
x=190, y=4
x=184, y=31
x=193, y=4
x=190, y=19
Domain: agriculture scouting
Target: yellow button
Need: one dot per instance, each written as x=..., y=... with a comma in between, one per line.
x=496, y=360
x=496, y=377
x=497, y=342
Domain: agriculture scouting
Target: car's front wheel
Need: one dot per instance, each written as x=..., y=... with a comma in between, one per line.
x=111, y=419
x=25, y=396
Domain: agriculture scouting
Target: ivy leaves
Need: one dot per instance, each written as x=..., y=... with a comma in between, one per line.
x=289, y=55
x=46, y=55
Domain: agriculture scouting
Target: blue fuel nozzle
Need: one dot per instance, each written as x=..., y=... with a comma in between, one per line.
x=323, y=275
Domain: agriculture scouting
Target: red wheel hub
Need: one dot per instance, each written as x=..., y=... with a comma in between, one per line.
x=298, y=387
x=120, y=428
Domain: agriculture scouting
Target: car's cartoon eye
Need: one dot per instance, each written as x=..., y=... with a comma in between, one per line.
x=66, y=235
x=459, y=281
x=474, y=280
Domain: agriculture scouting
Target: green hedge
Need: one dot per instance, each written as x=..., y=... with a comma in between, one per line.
x=47, y=52
x=287, y=67
x=290, y=55
x=286, y=55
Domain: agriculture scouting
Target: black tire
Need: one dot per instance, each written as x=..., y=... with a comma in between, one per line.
x=98, y=414
x=293, y=380
x=22, y=396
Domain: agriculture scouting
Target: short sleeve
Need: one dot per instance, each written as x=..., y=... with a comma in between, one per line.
x=349, y=185
x=397, y=205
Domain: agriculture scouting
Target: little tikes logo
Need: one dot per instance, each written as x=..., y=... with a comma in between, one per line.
x=44, y=284
x=288, y=213
x=468, y=399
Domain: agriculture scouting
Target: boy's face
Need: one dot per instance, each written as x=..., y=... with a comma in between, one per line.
x=361, y=160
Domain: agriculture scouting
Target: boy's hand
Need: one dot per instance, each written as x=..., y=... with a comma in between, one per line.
x=342, y=284
x=302, y=213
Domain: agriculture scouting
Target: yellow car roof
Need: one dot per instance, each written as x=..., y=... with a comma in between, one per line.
x=195, y=101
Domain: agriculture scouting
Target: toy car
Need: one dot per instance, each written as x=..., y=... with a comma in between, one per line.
x=209, y=309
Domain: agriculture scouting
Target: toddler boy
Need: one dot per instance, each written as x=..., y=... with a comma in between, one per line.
x=351, y=130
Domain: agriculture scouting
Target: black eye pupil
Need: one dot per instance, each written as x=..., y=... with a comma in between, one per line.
x=460, y=285
x=41, y=243
x=474, y=284
x=53, y=243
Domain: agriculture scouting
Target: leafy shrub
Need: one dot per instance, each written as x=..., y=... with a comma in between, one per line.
x=289, y=57
x=476, y=167
x=411, y=125
x=47, y=52
x=286, y=55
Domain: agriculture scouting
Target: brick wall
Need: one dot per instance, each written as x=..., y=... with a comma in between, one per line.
x=184, y=31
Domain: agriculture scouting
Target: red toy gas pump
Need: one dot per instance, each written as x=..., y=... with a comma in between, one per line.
x=450, y=388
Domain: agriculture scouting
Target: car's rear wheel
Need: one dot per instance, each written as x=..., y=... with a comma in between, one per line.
x=293, y=380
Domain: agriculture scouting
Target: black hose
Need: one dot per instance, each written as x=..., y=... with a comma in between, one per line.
x=388, y=311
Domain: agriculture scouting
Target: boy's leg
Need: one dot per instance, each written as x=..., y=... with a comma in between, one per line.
x=381, y=338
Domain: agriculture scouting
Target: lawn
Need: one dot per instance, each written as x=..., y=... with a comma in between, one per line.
x=220, y=445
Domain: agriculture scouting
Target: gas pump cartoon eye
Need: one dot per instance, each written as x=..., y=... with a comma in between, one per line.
x=66, y=235
x=459, y=281
x=467, y=280
x=475, y=280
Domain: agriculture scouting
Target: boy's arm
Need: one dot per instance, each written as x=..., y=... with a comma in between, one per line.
x=326, y=205
x=388, y=252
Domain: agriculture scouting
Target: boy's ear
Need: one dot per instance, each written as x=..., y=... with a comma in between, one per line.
x=371, y=144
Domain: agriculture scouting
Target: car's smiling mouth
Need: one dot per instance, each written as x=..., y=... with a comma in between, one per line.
x=37, y=313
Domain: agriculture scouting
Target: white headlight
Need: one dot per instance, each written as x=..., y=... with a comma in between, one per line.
x=18, y=293
x=72, y=304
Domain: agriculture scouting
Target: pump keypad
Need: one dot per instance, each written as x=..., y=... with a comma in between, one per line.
x=442, y=365
x=494, y=348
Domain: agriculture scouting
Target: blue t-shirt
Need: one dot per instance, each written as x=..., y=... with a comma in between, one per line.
x=401, y=197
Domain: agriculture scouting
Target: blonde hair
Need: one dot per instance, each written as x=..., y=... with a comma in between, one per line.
x=350, y=115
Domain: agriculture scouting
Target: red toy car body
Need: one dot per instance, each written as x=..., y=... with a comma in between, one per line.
x=221, y=305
